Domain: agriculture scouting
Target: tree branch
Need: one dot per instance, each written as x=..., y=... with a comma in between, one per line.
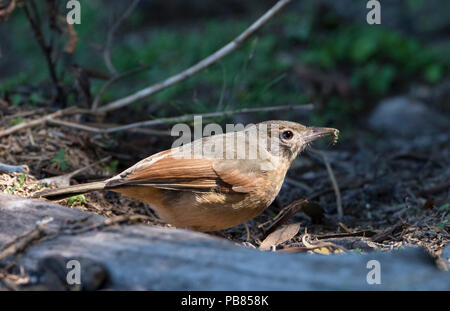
x=171, y=120
x=227, y=49
x=5, y=11
x=110, y=37
x=333, y=180
x=46, y=48
x=25, y=125
x=114, y=79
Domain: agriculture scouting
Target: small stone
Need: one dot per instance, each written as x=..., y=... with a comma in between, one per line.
x=402, y=116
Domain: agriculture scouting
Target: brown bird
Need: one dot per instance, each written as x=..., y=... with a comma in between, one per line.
x=234, y=177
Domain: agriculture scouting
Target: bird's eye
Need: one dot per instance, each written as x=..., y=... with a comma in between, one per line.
x=287, y=135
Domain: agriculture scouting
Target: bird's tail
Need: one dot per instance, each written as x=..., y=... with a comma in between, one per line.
x=61, y=193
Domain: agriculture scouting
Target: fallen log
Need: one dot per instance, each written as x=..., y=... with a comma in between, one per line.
x=140, y=257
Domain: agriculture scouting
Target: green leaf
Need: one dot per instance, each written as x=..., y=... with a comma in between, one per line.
x=76, y=199
x=35, y=98
x=444, y=207
x=16, y=99
x=433, y=73
x=363, y=48
x=22, y=179
x=61, y=160
x=381, y=83
x=112, y=166
x=16, y=121
x=319, y=57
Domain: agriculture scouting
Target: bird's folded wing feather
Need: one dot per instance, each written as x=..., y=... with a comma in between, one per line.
x=166, y=171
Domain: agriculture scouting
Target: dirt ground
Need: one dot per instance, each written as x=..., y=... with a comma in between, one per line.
x=393, y=193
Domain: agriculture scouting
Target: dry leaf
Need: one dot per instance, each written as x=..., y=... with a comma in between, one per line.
x=322, y=250
x=327, y=250
x=321, y=247
x=318, y=249
x=280, y=235
x=312, y=209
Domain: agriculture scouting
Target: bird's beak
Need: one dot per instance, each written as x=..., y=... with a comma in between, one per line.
x=314, y=133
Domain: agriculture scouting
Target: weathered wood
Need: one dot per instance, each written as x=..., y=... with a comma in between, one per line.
x=146, y=257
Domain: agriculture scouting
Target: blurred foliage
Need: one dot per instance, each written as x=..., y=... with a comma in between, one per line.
x=111, y=166
x=76, y=200
x=374, y=57
x=19, y=184
x=376, y=61
x=16, y=121
x=61, y=160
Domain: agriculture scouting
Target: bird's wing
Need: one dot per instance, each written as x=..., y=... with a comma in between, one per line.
x=167, y=171
x=242, y=175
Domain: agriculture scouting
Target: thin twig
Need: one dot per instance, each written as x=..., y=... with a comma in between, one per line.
x=46, y=48
x=76, y=126
x=183, y=118
x=247, y=230
x=5, y=11
x=19, y=244
x=22, y=114
x=145, y=131
x=285, y=214
x=298, y=184
x=25, y=125
x=64, y=180
x=208, y=61
x=110, y=36
x=343, y=226
x=363, y=233
x=113, y=80
x=333, y=180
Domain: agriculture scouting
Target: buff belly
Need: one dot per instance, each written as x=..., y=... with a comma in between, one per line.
x=207, y=211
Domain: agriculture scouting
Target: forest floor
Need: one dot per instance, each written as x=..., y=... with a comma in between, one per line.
x=394, y=192
x=393, y=189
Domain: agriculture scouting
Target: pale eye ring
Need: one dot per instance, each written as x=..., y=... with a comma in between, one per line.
x=287, y=135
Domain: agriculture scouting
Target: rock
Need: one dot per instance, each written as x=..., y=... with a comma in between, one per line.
x=130, y=257
x=446, y=253
x=408, y=118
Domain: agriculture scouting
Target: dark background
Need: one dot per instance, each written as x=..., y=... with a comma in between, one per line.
x=350, y=65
